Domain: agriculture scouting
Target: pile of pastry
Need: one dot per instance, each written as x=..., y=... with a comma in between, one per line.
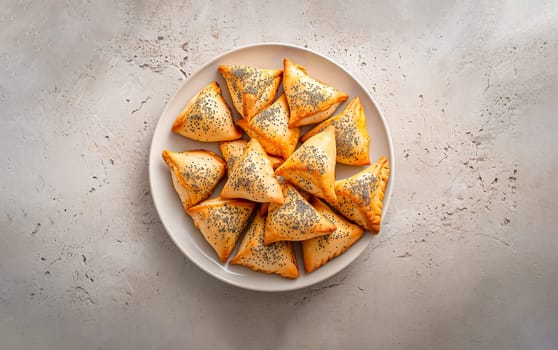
x=280, y=187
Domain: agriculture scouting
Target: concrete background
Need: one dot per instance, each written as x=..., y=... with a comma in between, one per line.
x=468, y=252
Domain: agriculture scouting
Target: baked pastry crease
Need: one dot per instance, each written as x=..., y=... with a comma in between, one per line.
x=351, y=137
x=232, y=151
x=312, y=166
x=252, y=89
x=271, y=128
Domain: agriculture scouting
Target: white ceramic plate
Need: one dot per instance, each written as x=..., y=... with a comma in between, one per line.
x=179, y=225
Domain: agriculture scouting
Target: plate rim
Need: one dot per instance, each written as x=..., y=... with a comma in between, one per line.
x=389, y=189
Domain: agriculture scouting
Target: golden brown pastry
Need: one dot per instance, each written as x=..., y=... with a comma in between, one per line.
x=294, y=220
x=207, y=117
x=312, y=166
x=252, y=89
x=221, y=221
x=194, y=174
x=310, y=101
x=319, y=250
x=278, y=257
x=271, y=128
x=252, y=177
x=351, y=136
x=360, y=197
x=232, y=151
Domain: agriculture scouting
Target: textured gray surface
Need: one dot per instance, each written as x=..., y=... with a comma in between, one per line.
x=466, y=258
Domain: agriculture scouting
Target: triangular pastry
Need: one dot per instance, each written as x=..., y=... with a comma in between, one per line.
x=221, y=221
x=319, y=250
x=194, y=174
x=310, y=101
x=278, y=257
x=207, y=117
x=232, y=151
x=252, y=177
x=294, y=220
x=252, y=89
x=271, y=128
x=351, y=137
x=360, y=197
x=312, y=166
